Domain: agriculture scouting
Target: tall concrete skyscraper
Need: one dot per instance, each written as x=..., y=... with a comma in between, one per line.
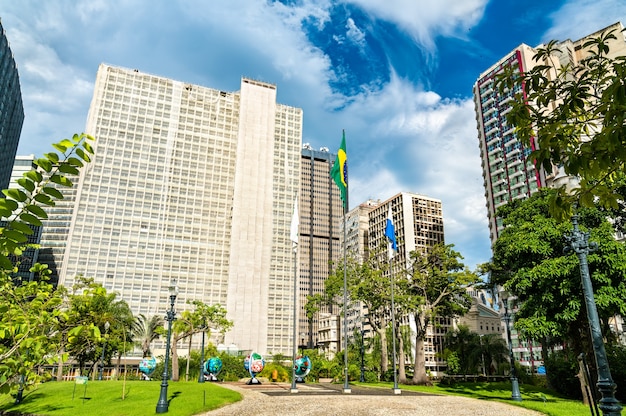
x=197, y=185
x=11, y=110
x=507, y=172
x=321, y=213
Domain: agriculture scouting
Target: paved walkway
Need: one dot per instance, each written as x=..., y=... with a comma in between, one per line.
x=275, y=399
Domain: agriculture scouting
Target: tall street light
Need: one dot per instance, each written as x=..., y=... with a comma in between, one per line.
x=107, y=325
x=578, y=242
x=515, y=393
x=201, y=376
x=162, y=405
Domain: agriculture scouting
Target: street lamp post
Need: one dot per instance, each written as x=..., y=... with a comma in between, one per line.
x=201, y=376
x=162, y=405
x=578, y=242
x=107, y=325
x=515, y=393
x=362, y=378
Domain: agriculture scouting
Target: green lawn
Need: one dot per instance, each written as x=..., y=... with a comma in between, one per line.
x=533, y=398
x=105, y=398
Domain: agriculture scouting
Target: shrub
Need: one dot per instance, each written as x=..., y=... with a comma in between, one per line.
x=561, y=371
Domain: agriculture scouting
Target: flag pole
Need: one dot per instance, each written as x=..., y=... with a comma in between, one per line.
x=346, y=386
x=392, y=246
x=294, y=238
x=396, y=390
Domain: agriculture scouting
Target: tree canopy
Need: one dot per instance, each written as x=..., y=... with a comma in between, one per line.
x=573, y=116
x=529, y=261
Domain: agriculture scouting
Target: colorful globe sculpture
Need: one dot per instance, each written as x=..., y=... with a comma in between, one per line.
x=302, y=366
x=147, y=365
x=254, y=364
x=213, y=366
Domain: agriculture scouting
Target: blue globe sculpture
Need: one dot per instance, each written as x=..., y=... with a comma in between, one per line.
x=254, y=364
x=147, y=366
x=302, y=366
x=212, y=367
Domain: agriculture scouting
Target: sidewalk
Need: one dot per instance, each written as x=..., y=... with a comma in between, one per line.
x=275, y=399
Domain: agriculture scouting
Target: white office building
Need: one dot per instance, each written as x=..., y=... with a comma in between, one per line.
x=197, y=185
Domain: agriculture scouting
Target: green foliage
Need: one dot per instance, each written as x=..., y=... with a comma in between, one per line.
x=90, y=308
x=31, y=317
x=232, y=367
x=573, y=117
x=22, y=206
x=616, y=355
x=561, y=370
x=528, y=261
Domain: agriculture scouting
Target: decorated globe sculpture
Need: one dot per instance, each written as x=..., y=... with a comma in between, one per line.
x=254, y=364
x=212, y=368
x=302, y=366
x=147, y=366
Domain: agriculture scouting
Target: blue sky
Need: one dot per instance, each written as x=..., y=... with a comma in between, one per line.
x=397, y=75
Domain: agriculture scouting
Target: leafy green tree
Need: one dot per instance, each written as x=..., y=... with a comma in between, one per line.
x=29, y=312
x=367, y=284
x=573, y=116
x=528, y=261
x=437, y=281
x=90, y=308
x=145, y=330
x=203, y=318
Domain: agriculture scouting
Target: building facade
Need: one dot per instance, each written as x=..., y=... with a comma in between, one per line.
x=196, y=185
x=507, y=172
x=319, y=245
x=11, y=110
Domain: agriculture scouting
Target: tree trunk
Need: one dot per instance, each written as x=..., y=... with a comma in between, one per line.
x=419, y=376
x=60, y=366
x=188, y=358
x=384, y=352
x=175, y=372
x=401, y=359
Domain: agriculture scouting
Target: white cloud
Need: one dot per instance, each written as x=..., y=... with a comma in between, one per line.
x=425, y=19
x=578, y=18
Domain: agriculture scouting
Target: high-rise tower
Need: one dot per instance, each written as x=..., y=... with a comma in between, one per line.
x=507, y=172
x=11, y=110
x=192, y=184
x=321, y=213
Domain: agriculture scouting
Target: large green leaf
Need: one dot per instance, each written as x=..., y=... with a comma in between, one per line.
x=52, y=156
x=69, y=169
x=23, y=228
x=26, y=184
x=30, y=219
x=15, y=194
x=52, y=192
x=44, y=199
x=45, y=164
x=34, y=175
x=81, y=153
x=8, y=204
x=59, y=147
x=75, y=161
x=61, y=180
x=37, y=211
x=14, y=235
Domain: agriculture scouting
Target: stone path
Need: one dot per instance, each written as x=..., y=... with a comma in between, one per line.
x=275, y=399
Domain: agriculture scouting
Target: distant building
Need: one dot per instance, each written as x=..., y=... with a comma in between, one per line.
x=507, y=173
x=29, y=257
x=193, y=184
x=418, y=222
x=321, y=213
x=11, y=110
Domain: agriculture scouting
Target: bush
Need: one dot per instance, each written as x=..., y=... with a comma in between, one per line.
x=561, y=372
x=616, y=355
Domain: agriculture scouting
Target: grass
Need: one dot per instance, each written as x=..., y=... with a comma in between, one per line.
x=104, y=398
x=533, y=398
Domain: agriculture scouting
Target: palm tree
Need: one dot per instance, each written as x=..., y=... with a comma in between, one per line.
x=146, y=330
